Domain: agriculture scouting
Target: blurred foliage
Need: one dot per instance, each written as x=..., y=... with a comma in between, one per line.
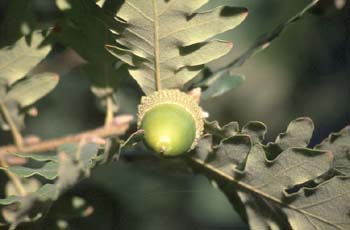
x=304, y=73
x=18, y=88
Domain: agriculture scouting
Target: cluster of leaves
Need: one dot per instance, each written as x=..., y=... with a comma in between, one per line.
x=166, y=44
x=284, y=184
x=45, y=177
x=19, y=89
x=286, y=177
x=75, y=24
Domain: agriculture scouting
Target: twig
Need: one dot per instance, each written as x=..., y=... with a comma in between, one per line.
x=13, y=177
x=109, y=111
x=17, y=137
x=52, y=144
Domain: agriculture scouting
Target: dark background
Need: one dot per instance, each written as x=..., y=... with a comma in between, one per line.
x=305, y=72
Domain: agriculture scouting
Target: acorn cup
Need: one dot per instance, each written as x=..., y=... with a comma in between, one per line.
x=171, y=120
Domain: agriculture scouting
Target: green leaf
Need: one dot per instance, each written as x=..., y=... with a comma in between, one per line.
x=73, y=163
x=44, y=193
x=220, y=84
x=31, y=207
x=48, y=170
x=85, y=154
x=9, y=200
x=166, y=43
x=88, y=155
x=85, y=19
x=38, y=157
x=32, y=88
x=297, y=186
x=17, y=61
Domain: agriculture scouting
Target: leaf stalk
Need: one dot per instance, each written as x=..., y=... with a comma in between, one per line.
x=17, y=137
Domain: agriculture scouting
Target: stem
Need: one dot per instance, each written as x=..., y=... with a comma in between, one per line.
x=17, y=137
x=109, y=111
x=156, y=45
x=13, y=177
x=52, y=144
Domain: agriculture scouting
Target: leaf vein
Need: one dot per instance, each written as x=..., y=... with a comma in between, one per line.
x=252, y=189
x=167, y=8
x=321, y=202
x=140, y=11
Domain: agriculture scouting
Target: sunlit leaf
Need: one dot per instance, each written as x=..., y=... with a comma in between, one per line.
x=32, y=88
x=166, y=43
x=16, y=61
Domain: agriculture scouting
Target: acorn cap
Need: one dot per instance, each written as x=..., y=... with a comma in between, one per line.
x=175, y=97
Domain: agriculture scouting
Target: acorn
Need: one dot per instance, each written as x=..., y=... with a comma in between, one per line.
x=171, y=120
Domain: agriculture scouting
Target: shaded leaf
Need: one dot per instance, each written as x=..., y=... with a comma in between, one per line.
x=75, y=31
x=165, y=43
x=289, y=185
x=85, y=28
x=9, y=200
x=38, y=157
x=32, y=88
x=220, y=84
x=256, y=130
x=329, y=205
x=226, y=131
x=204, y=147
x=298, y=134
x=232, y=153
x=47, y=170
x=74, y=163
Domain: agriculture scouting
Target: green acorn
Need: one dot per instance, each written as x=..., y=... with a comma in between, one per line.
x=171, y=120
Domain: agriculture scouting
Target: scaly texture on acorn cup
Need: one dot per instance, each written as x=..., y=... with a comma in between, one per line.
x=171, y=120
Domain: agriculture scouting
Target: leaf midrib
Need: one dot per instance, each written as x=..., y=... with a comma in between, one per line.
x=265, y=195
x=156, y=46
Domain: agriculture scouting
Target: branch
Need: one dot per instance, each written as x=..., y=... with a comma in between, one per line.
x=116, y=129
x=17, y=137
